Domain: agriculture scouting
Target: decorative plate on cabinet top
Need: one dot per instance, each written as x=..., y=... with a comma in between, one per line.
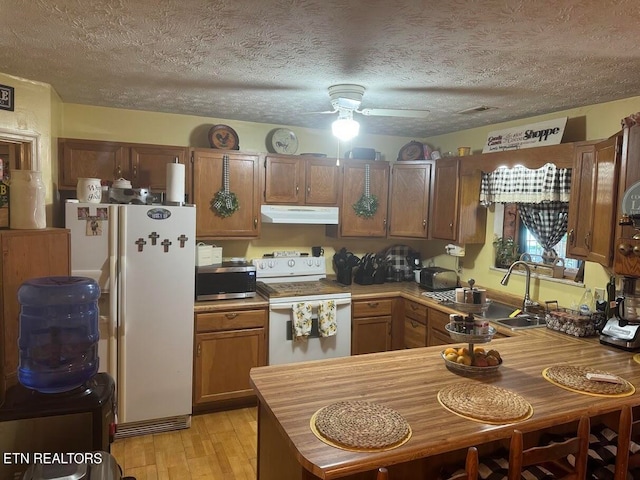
x=412, y=151
x=223, y=137
x=282, y=140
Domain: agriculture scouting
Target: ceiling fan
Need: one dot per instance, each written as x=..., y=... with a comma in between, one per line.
x=348, y=97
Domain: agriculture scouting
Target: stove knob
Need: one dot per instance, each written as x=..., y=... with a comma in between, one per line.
x=291, y=263
x=261, y=265
x=272, y=264
x=310, y=262
x=317, y=262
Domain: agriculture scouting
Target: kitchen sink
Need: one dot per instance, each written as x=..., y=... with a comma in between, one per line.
x=498, y=310
x=521, y=322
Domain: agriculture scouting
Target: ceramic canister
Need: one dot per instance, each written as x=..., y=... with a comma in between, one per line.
x=89, y=190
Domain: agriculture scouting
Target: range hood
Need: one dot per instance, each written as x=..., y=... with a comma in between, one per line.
x=299, y=214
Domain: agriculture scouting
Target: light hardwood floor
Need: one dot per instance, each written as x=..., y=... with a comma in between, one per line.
x=219, y=445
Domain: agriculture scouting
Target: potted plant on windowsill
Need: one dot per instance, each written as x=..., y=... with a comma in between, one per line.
x=506, y=251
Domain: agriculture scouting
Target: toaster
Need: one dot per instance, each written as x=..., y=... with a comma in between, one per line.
x=436, y=279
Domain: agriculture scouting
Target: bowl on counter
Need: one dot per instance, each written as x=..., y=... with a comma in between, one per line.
x=463, y=369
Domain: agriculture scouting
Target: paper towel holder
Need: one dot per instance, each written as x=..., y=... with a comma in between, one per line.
x=170, y=195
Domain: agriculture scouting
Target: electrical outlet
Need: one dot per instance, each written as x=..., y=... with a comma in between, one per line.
x=598, y=294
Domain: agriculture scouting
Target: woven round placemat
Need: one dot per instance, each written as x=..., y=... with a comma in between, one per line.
x=636, y=357
x=485, y=403
x=360, y=426
x=573, y=377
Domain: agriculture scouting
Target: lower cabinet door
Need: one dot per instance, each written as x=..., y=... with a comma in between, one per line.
x=370, y=335
x=215, y=377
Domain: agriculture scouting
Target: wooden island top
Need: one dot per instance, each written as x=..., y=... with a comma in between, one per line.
x=408, y=381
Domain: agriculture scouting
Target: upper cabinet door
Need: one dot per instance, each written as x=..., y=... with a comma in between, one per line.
x=579, y=224
x=607, y=164
x=284, y=180
x=89, y=159
x=411, y=184
x=444, y=218
x=149, y=165
x=322, y=181
x=592, y=207
x=352, y=225
x=244, y=174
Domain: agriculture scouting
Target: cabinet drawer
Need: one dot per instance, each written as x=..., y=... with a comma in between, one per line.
x=370, y=308
x=415, y=334
x=416, y=311
x=438, y=320
x=232, y=320
x=437, y=338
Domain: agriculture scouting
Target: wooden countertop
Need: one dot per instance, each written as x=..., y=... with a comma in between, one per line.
x=409, y=380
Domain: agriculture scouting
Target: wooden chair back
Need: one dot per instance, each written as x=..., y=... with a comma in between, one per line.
x=470, y=473
x=554, y=453
x=628, y=430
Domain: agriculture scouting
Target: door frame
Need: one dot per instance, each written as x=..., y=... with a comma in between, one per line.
x=25, y=137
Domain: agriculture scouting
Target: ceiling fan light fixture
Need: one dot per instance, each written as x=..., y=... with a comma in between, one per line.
x=345, y=127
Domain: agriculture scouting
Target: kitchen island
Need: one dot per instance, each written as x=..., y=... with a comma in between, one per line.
x=408, y=381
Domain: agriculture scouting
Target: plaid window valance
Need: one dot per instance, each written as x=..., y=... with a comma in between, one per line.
x=523, y=185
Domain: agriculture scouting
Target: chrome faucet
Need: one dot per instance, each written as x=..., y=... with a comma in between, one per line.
x=526, y=301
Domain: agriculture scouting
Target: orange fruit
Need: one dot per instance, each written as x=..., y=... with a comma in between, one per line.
x=450, y=350
x=478, y=350
x=464, y=360
x=463, y=351
x=451, y=356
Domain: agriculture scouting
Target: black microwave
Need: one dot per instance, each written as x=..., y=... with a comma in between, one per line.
x=225, y=280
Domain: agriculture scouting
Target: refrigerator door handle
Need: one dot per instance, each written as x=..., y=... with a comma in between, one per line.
x=113, y=291
x=122, y=320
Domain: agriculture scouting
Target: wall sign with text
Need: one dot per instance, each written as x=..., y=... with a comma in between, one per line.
x=6, y=98
x=527, y=136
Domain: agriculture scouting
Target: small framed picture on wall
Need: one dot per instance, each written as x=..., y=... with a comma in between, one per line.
x=6, y=98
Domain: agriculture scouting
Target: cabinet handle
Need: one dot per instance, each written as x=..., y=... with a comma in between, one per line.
x=451, y=225
x=413, y=307
x=255, y=222
x=373, y=304
x=414, y=324
x=199, y=350
x=231, y=316
x=118, y=172
x=587, y=239
x=297, y=189
x=424, y=223
x=570, y=235
x=309, y=190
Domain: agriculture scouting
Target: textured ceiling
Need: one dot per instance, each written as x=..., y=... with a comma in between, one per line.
x=272, y=60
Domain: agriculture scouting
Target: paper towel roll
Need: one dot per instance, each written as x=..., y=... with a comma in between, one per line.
x=175, y=183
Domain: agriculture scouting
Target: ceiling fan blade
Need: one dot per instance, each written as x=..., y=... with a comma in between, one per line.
x=326, y=111
x=390, y=112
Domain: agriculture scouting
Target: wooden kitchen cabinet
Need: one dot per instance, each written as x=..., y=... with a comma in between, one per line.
x=25, y=254
x=300, y=180
x=456, y=213
x=145, y=165
x=411, y=187
x=352, y=225
x=228, y=344
x=437, y=333
x=244, y=180
x=592, y=205
x=371, y=326
x=415, y=324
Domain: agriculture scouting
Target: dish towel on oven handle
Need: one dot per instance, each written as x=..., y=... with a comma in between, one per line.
x=301, y=325
x=327, y=325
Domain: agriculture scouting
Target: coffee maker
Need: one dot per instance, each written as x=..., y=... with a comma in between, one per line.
x=622, y=329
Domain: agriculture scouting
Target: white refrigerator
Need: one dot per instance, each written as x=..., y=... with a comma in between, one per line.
x=143, y=257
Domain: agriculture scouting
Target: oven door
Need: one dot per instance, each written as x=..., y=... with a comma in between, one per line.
x=285, y=348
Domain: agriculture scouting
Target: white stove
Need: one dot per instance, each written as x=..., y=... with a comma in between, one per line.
x=287, y=282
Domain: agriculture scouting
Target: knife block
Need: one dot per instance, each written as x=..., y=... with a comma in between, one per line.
x=344, y=275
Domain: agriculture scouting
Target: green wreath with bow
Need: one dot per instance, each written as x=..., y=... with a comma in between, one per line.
x=367, y=205
x=225, y=202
